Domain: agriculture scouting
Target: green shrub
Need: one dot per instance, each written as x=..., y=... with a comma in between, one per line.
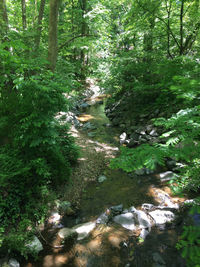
x=36, y=154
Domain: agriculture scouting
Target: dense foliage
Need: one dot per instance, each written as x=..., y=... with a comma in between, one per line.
x=36, y=150
x=143, y=51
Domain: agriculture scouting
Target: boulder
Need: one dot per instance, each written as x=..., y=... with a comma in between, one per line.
x=102, y=178
x=103, y=219
x=122, y=138
x=149, y=171
x=54, y=218
x=126, y=220
x=35, y=246
x=162, y=216
x=84, y=229
x=147, y=206
x=140, y=172
x=132, y=209
x=144, y=233
x=117, y=209
x=83, y=106
x=143, y=220
x=66, y=233
x=165, y=200
x=13, y=263
x=167, y=176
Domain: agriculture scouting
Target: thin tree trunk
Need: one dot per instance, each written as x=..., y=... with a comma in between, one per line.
x=181, y=27
x=39, y=25
x=83, y=4
x=23, y=5
x=53, y=30
x=3, y=18
x=168, y=8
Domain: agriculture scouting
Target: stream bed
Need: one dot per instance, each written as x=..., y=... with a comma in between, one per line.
x=110, y=244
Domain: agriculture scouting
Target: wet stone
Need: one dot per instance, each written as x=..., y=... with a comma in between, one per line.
x=162, y=216
x=143, y=220
x=35, y=246
x=144, y=233
x=167, y=176
x=117, y=209
x=66, y=233
x=126, y=220
x=140, y=172
x=102, y=219
x=13, y=263
x=84, y=229
x=132, y=209
x=147, y=206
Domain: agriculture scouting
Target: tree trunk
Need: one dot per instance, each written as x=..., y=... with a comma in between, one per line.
x=3, y=18
x=39, y=25
x=181, y=27
x=23, y=5
x=53, y=29
x=83, y=4
x=168, y=8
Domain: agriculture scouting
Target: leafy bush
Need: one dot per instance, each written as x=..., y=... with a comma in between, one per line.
x=36, y=152
x=189, y=241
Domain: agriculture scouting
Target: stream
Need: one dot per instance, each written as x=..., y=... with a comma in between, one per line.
x=110, y=244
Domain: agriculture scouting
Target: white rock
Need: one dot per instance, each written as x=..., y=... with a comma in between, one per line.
x=84, y=229
x=102, y=219
x=140, y=171
x=35, y=245
x=13, y=263
x=66, y=233
x=123, y=138
x=143, y=220
x=167, y=176
x=126, y=220
x=153, y=133
x=102, y=178
x=132, y=209
x=162, y=216
x=54, y=218
x=165, y=201
x=144, y=233
x=189, y=202
x=147, y=206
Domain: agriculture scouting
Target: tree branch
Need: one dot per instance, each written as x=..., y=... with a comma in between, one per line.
x=75, y=37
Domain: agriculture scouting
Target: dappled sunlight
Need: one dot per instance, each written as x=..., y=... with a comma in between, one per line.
x=85, y=117
x=94, y=245
x=55, y=260
x=82, y=159
x=103, y=147
x=164, y=196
